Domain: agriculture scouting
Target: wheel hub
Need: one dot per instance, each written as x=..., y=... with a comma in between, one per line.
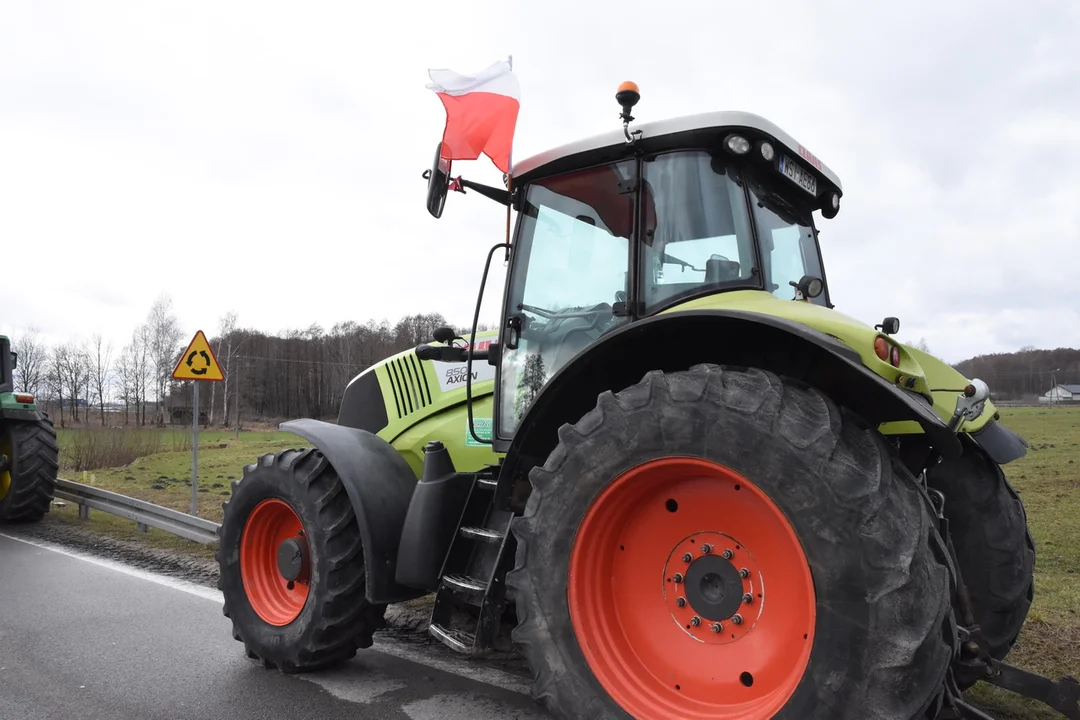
x=713, y=588
x=292, y=559
x=275, y=562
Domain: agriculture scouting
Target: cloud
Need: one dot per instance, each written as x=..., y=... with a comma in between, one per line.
x=267, y=159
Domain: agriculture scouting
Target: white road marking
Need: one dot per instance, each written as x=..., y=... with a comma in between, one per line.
x=463, y=668
x=174, y=583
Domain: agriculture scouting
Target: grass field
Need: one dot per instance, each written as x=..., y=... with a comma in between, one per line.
x=1048, y=480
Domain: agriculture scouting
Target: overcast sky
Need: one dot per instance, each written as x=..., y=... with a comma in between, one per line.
x=266, y=157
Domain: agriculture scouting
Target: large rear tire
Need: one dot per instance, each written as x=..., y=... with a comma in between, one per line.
x=994, y=548
x=848, y=612
x=317, y=615
x=27, y=488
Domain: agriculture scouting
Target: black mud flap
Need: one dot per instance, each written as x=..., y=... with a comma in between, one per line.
x=380, y=485
x=1000, y=443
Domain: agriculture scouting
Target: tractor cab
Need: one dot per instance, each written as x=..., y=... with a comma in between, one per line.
x=638, y=221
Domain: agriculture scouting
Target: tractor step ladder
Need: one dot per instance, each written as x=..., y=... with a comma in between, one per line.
x=471, y=598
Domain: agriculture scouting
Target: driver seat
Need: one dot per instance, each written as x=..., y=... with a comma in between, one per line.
x=719, y=269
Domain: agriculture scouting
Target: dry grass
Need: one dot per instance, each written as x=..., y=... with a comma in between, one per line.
x=89, y=448
x=164, y=478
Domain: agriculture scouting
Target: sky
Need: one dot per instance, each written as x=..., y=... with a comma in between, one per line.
x=266, y=157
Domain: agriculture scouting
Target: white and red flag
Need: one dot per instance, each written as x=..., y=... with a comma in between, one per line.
x=481, y=112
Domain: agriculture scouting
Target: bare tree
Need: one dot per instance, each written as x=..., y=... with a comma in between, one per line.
x=141, y=369
x=920, y=345
x=122, y=380
x=164, y=336
x=33, y=361
x=73, y=362
x=227, y=349
x=55, y=377
x=100, y=365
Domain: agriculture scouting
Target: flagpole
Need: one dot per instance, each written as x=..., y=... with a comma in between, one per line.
x=509, y=181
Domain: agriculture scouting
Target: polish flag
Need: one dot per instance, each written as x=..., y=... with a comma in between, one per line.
x=481, y=112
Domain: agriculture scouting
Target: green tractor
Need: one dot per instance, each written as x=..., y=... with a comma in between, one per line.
x=28, y=449
x=676, y=479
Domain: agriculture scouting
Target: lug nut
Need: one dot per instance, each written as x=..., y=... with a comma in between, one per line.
x=678, y=578
x=744, y=573
x=717, y=627
x=728, y=554
x=706, y=549
x=687, y=557
x=695, y=621
x=737, y=619
x=681, y=602
x=748, y=598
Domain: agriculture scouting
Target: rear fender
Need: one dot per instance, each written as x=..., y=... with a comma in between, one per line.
x=380, y=485
x=679, y=340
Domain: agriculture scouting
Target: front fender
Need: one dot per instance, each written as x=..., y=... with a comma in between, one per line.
x=678, y=340
x=380, y=485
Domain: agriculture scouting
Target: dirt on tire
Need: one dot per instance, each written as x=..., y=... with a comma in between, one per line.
x=34, y=460
x=994, y=547
x=337, y=619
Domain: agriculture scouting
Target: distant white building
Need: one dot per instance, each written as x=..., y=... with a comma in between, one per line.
x=1061, y=394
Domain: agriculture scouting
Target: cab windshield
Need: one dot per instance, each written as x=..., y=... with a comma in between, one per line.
x=692, y=215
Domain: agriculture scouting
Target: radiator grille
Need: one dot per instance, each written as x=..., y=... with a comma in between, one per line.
x=411, y=391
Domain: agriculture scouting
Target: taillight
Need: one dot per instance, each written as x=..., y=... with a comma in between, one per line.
x=881, y=348
x=894, y=356
x=25, y=399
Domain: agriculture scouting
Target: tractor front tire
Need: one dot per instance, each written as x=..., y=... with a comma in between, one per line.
x=994, y=548
x=724, y=543
x=27, y=487
x=292, y=565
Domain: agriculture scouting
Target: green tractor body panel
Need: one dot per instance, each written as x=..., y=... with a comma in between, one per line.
x=427, y=400
x=927, y=375
x=10, y=405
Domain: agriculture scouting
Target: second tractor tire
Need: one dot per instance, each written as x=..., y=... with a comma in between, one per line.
x=882, y=581
x=335, y=619
x=994, y=548
x=34, y=457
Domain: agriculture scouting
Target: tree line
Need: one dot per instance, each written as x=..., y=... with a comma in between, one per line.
x=303, y=372
x=298, y=373
x=1025, y=374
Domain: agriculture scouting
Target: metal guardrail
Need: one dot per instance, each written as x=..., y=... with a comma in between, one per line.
x=145, y=515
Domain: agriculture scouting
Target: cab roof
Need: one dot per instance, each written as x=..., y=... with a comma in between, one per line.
x=556, y=159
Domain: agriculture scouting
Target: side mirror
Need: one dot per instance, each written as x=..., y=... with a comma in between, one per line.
x=444, y=335
x=889, y=326
x=14, y=360
x=438, y=178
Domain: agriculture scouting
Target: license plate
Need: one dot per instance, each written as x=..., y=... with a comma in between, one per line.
x=795, y=172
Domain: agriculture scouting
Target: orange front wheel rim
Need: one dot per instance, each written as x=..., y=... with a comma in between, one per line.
x=275, y=562
x=690, y=594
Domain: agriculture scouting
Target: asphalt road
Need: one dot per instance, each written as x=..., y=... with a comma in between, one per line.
x=82, y=637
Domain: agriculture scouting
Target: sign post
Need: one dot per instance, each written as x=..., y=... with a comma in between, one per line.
x=197, y=364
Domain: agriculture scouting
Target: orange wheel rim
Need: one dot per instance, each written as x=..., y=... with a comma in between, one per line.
x=275, y=597
x=690, y=594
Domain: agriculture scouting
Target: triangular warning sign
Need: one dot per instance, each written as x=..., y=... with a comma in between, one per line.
x=198, y=361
